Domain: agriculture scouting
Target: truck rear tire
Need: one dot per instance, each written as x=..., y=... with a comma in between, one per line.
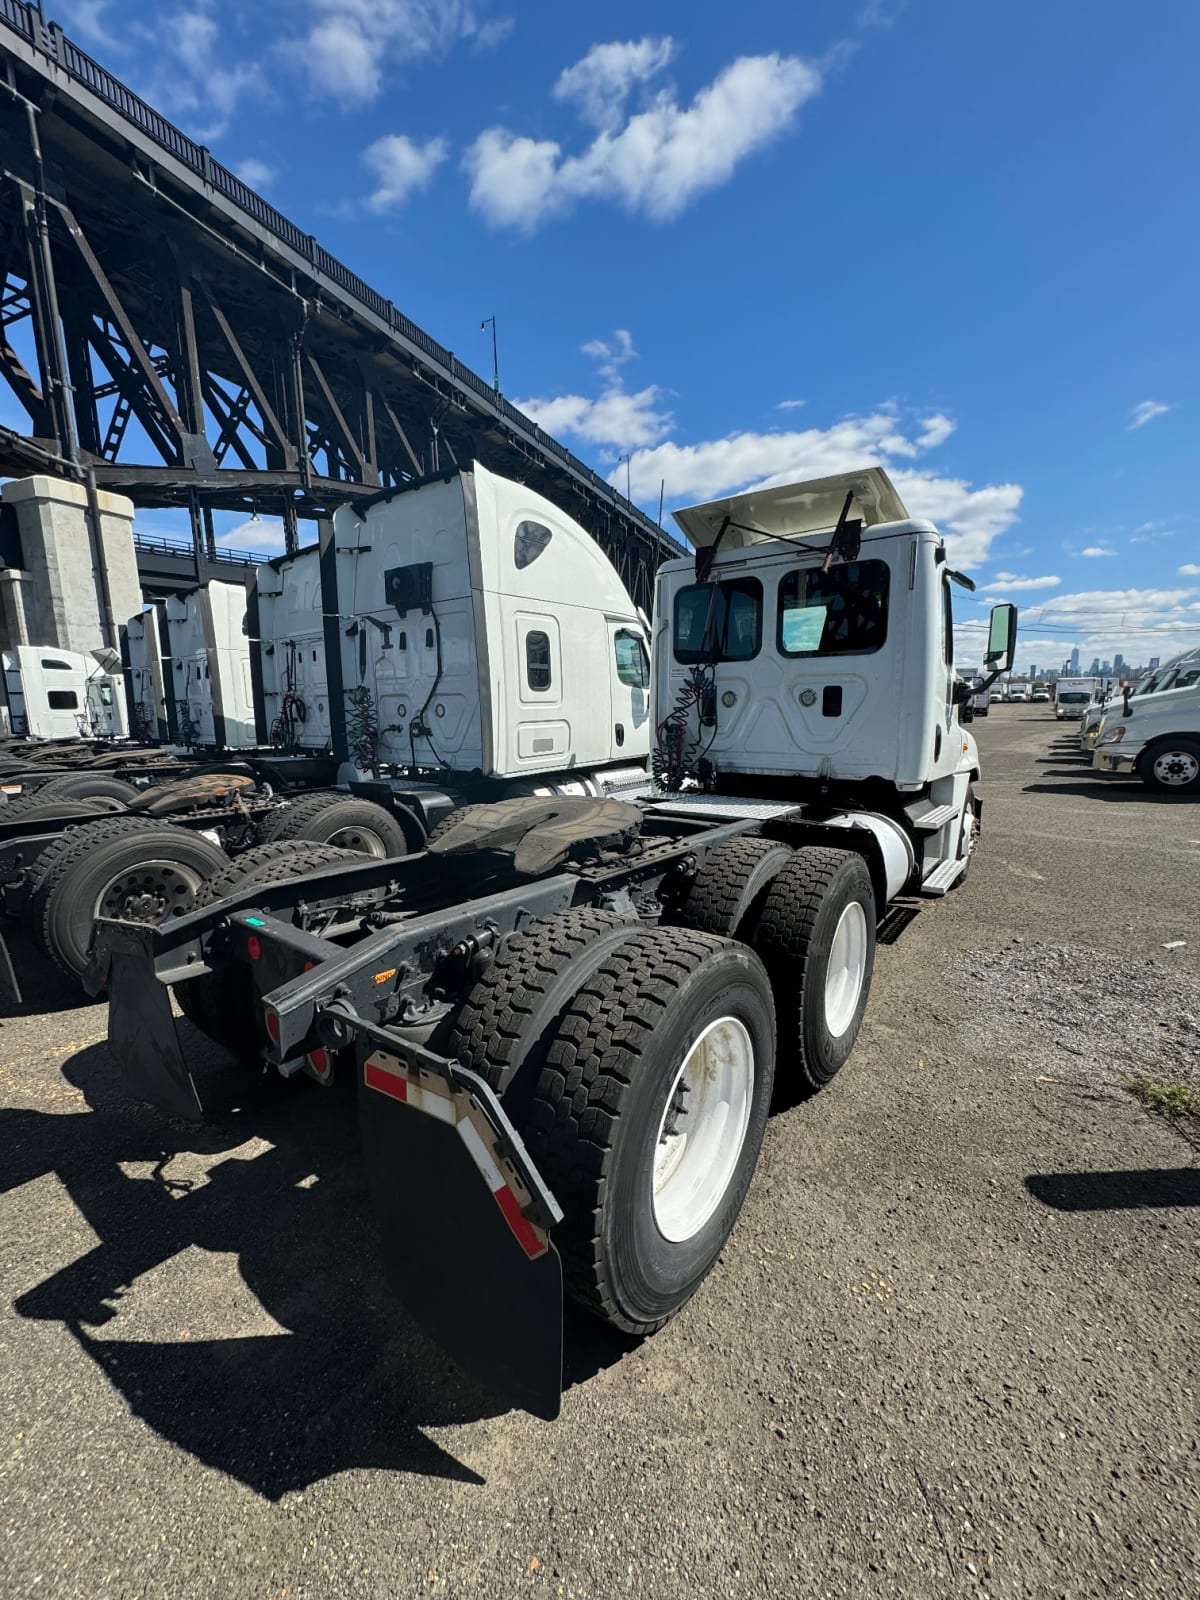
x=150, y=875
x=816, y=936
x=226, y=1008
x=648, y=1117
x=29, y=807
x=45, y=865
x=1172, y=766
x=89, y=786
x=341, y=820
x=731, y=884
x=505, y=1026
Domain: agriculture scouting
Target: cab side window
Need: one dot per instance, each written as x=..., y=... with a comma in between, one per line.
x=633, y=664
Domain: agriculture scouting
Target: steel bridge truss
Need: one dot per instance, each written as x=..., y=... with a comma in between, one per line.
x=186, y=356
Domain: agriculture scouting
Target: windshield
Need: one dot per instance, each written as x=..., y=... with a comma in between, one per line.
x=1075, y=697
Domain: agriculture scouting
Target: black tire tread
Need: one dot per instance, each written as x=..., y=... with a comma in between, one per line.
x=219, y=1009
x=68, y=784
x=22, y=805
x=49, y=867
x=716, y=902
x=491, y=1024
x=43, y=903
x=572, y=1122
x=783, y=939
x=288, y=820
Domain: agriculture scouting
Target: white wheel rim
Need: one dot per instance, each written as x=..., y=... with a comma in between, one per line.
x=847, y=969
x=363, y=841
x=1176, y=767
x=702, y=1129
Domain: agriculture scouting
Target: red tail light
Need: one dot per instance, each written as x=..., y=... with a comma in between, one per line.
x=254, y=947
x=273, y=1025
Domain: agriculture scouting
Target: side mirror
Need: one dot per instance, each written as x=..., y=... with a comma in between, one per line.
x=1002, y=638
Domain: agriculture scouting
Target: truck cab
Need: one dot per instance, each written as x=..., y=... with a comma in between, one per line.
x=61, y=694
x=786, y=664
x=1154, y=737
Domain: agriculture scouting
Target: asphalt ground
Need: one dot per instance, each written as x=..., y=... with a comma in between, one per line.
x=950, y=1350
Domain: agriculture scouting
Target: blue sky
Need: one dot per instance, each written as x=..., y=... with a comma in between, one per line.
x=737, y=243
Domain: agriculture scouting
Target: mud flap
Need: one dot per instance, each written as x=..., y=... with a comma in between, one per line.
x=465, y=1226
x=142, y=1036
x=10, y=989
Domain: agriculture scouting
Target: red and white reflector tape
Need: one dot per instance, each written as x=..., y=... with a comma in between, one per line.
x=436, y=1098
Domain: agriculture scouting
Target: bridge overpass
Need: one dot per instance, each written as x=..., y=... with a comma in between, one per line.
x=168, y=331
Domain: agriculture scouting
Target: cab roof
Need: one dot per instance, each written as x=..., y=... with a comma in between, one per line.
x=793, y=509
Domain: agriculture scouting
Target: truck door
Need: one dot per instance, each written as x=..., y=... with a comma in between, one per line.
x=629, y=671
x=542, y=734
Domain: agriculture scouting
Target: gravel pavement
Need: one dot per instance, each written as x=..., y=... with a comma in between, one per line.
x=951, y=1349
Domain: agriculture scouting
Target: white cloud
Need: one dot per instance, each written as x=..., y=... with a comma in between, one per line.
x=1151, y=533
x=351, y=45
x=1189, y=570
x=611, y=356
x=258, y=174
x=628, y=421
x=971, y=518
x=654, y=164
x=602, y=82
x=790, y=405
x=260, y=536
x=402, y=166
x=1145, y=412
x=189, y=75
x=85, y=19
x=1094, y=551
x=617, y=418
x=1010, y=583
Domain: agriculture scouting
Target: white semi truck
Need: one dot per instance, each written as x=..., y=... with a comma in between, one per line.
x=62, y=694
x=566, y=1018
x=188, y=665
x=1178, y=673
x=1154, y=737
x=452, y=642
x=210, y=666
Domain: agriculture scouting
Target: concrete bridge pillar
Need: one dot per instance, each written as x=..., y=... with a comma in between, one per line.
x=60, y=586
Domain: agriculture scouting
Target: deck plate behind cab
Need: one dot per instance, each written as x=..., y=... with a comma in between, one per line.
x=539, y=831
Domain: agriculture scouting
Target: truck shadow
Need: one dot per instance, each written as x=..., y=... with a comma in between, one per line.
x=44, y=986
x=1137, y=1189
x=344, y=1380
x=1100, y=789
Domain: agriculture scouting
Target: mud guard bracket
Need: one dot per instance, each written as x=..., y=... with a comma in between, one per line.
x=10, y=989
x=465, y=1219
x=141, y=1027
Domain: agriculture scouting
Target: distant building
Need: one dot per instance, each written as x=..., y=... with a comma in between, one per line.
x=1033, y=672
x=1118, y=664
x=1094, y=669
x=1073, y=664
x=1153, y=667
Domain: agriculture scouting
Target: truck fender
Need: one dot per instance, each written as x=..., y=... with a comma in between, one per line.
x=381, y=794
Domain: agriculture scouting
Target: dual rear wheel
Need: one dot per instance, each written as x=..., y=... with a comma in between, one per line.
x=639, y=1064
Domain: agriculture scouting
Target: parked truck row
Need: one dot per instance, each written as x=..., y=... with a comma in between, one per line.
x=566, y=1017
x=455, y=642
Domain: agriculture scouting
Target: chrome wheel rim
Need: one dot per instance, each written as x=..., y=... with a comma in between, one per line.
x=1177, y=768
